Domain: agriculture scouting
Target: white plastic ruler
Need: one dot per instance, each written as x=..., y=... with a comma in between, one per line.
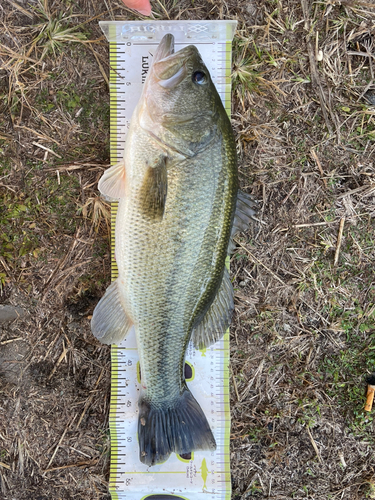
x=205, y=475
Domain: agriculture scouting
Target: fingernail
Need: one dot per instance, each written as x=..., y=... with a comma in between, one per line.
x=145, y=12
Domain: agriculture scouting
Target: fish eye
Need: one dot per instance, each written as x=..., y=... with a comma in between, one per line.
x=199, y=77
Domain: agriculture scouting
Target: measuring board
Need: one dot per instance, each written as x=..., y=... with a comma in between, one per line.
x=205, y=475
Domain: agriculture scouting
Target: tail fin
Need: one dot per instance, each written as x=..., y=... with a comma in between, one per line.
x=181, y=428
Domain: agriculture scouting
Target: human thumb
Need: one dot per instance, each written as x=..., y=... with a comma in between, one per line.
x=142, y=6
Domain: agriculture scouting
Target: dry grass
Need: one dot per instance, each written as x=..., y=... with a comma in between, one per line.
x=302, y=341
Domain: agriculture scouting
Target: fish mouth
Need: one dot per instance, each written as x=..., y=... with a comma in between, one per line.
x=169, y=67
x=165, y=48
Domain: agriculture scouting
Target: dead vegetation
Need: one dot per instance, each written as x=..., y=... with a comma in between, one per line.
x=302, y=341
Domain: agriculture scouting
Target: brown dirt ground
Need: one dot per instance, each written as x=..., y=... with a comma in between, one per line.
x=302, y=340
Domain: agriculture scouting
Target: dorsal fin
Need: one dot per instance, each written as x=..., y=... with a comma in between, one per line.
x=246, y=209
x=217, y=318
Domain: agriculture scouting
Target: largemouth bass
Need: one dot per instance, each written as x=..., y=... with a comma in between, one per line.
x=177, y=190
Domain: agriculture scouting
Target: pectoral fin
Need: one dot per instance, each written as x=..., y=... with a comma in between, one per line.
x=154, y=190
x=109, y=322
x=246, y=210
x=217, y=318
x=112, y=182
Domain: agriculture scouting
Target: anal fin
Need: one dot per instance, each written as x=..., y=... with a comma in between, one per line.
x=217, y=318
x=109, y=322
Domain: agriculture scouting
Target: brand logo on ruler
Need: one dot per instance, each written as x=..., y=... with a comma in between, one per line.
x=149, y=28
x=145, y=67
x=198, y=28
x=152, y=28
